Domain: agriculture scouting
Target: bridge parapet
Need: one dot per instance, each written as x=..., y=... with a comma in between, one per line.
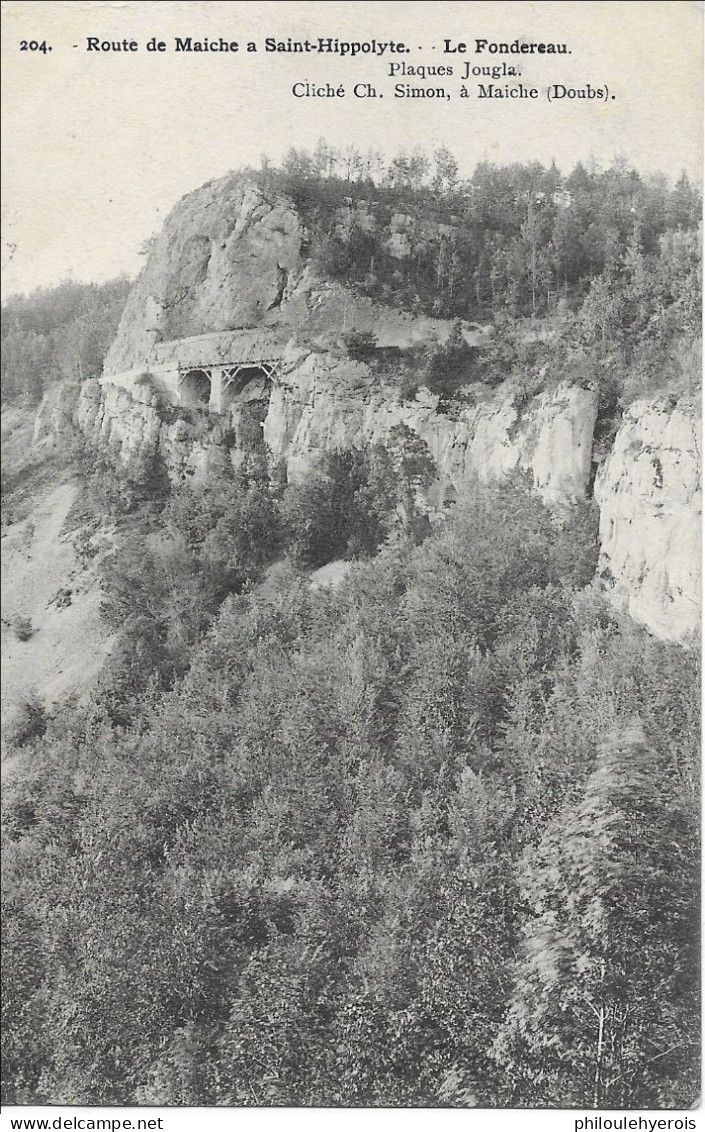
x=234, y=347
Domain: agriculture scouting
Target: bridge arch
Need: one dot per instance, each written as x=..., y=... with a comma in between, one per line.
x=195, y=387
x=217, y=385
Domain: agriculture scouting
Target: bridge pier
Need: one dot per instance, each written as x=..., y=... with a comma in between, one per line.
x=209, y=384
x=215, y=403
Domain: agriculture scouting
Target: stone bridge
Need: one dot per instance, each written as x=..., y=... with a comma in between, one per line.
x=211, y=369
x=216, y=383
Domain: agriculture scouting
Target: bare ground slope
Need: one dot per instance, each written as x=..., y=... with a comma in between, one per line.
x=68, y=644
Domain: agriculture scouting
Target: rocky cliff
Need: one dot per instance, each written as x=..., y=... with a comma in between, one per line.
x=322, y=406
x=231, y=261
x=56, y=416
x=648, y=492
x=231, y=258
x=130, y=425
x=225, y=259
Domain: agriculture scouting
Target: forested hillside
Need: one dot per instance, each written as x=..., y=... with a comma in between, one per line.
x=516, y=238
x=58, y=333
x=425, y=836
x=405, y=842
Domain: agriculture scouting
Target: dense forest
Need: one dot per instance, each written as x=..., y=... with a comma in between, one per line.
x=425, y=837
x=604, y=264
x=517, y=238
x=410, y=841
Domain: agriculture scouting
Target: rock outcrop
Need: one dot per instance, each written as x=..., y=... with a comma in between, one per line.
x=55, y=420
x=648, y=492
x=321, y=406
x=230, y=258
x=224, y=259
x=129, y=425
x=647, y=489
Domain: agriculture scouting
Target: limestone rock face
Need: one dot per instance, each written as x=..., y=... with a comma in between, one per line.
x=324, y=404
x=231, y=258
x=648, y=491
x=322, y=407
x=55, y=418
x=223, y=260
x=125, y=423
x=128, y=424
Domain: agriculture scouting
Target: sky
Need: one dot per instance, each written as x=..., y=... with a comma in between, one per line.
x=100, y=145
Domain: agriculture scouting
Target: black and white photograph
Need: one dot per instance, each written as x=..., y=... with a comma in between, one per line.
x=351, y=432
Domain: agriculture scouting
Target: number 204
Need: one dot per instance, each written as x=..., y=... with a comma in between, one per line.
x=34, y=45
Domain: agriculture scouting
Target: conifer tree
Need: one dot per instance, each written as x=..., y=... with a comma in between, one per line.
x=605, y=1007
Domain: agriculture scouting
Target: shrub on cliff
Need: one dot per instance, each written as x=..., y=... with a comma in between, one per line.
x=315, y=520
x=22, y=627
x=349, y=505
x=360, y=344
x=116, y=490
x=28, y=722
x=232, y=526
x=450, y=364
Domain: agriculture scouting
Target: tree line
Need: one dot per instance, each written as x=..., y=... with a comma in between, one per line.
x=57, y=333
x=516, y=238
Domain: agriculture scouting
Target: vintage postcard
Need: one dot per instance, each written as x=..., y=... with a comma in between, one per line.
x=351, y=365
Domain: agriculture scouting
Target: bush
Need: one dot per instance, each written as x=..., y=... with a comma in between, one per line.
x=360, y=343
x=409, y=385
x=29, y=722
x=85, y=548
x=342, y=510
x=314, y=522
x=22, y=627
x=450, y=364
